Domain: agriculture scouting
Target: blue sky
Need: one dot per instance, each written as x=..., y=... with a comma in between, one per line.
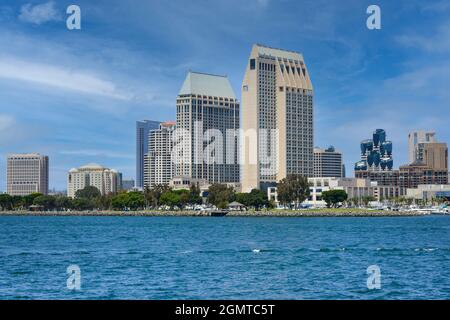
x=75, y=95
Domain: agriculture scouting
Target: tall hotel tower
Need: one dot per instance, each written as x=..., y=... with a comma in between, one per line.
x=277, y=118
x=207, y=111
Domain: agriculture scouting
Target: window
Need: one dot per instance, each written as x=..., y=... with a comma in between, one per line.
x=252, y=64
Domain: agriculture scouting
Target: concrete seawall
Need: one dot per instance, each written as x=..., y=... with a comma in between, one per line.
x=273, y=213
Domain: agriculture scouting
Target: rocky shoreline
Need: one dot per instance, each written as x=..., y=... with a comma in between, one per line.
x=273, y=213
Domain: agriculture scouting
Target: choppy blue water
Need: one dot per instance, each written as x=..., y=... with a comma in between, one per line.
x=224, y=258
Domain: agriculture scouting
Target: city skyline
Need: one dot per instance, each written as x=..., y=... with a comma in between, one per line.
x=363, y=79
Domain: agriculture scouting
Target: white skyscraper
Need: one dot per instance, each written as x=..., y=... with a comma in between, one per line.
x=207, y=115
x=159, y=167
x=142, y=130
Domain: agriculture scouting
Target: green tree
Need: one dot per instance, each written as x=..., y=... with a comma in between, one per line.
x=333, y=197
x=29, y=199
x=103, y=202
x=255, y=199
x=131, y=200
x=220, y=195
x=17, y=202
x=194, y=194
x=258, y=199
x=63, y=203
x=82, y=204
x=136, y=200
x=185, y=197
x=365, y=200
x=88, y=192
x=152, y=195
x=293, y=189
x=5, y=201
x=120, y=201
x=47, y=202
x=169, y=199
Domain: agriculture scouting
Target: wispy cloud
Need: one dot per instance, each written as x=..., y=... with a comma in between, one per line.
x=59, y=77
x=263, y=3
x=439, y=6
x=96, y=153
x=6, y=122
x=8, y=129
x=438, y=42
x=40, y=13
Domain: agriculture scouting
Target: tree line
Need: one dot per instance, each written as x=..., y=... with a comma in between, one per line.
x=292, y=191
x=90, y=198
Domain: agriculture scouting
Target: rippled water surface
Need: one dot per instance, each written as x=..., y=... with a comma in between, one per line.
x=224, y=258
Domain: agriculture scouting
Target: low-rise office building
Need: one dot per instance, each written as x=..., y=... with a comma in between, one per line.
x=354, y=187
x=429, y=192
x=408, y=176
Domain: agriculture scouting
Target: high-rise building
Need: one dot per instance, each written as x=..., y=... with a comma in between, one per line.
x=127, y=184
x=104, y=179
x=328, y=163
x=376, y=153
x=433, y=154
x=207, y=131
x=26, y=174
x=142, y=130
x=159, y=167
x=414, y=139
x=277, y=118
x=119, y=181
x=428, y=168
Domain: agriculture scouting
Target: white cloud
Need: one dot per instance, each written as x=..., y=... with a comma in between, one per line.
x=430, y=81
x=438, y=42
x=59, y=77
x=8, y=129
x=6, y=122
x=39, y=13
x=97, y=153
x=263, y=3
x=439, y=7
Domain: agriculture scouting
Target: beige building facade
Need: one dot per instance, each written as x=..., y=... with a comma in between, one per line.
x=104, y=179
x=418, y=137
x=27, y=174
x=434, y=155
x=277, y=118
